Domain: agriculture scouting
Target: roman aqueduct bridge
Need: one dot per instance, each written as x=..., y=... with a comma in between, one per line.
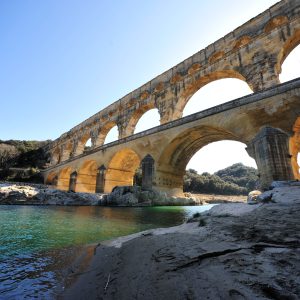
x=267, y=121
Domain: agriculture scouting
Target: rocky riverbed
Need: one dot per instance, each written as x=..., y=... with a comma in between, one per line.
x=233, y=251
x=38, y=194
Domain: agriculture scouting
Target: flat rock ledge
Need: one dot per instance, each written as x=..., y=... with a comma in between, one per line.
x=233, y=251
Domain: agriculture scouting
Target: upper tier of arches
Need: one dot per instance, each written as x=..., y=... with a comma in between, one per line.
x=253, y=53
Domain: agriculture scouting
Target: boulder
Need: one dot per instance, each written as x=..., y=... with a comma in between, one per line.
x=253, y=197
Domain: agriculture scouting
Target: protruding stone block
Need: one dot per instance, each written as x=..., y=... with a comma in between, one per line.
x=270, y=149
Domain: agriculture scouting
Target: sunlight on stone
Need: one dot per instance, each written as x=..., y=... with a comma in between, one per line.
x=112, y=135
x=215, y=93
x=290, y=68
x=148, y=120
x=219, y=155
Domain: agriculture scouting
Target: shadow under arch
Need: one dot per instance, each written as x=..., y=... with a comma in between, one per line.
x=63, y=180
x=86, y=177
x=287, y=48
x=201, y=82
x=175, y=157
x=121, y=169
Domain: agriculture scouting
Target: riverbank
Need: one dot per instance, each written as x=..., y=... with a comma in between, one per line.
x=233, y=251
x=38, y=194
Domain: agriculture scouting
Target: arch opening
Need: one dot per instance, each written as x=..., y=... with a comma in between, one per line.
x=214, y=93
x=86, y=177
x=55, y=157
x=111, y=135
x=88, y=145
x=121, y=169
x=179, y=154
x=290, y=68
x=147, y=120
x=233, y=172
x=51, y=179
x=63, y=180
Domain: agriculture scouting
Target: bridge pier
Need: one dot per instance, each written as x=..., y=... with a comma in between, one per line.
x=270, y=149
x=100, y=179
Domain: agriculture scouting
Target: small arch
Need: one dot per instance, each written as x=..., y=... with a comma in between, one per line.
x=66, y=151
x=86, y=177
x=216, y=56
x=88, y=145
x=242, y=41
x=147, y=120
x=63, y=179
x=136, y=116
x=191, y=89
x=290, y=44
x=55, y=157
x=290, y=69
x=215, y=93
x=121, y=169
x=275, y=22
x=51, y=179
x=108, y=133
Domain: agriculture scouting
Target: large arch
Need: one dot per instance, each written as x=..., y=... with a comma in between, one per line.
x=216, y=92
x=136, y=116
x=148, y=120
x=63, y=180
x=121, y=169
x=104, y=132
x=175, y=157
x=86, y=177
x=287, y=48
x=192, y=88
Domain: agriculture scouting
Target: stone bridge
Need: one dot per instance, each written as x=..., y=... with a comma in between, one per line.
x=267, y=121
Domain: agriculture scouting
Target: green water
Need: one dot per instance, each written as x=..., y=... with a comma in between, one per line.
x=36, y=241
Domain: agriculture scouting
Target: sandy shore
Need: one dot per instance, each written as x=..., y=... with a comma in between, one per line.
x=234, y=251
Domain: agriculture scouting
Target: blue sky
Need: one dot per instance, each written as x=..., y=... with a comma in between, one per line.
x=62, y=61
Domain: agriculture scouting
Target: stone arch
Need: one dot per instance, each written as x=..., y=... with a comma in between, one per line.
x=66, y=150
x=63, y=179
x=203, y=81
x=175, y=157
x=105, y=129
x=86, y=177
x=295, y=149
x=55, y=156
x=290, y=44
x=121, y=169
x=275, y=22
x=51, y=179
x=130, y=128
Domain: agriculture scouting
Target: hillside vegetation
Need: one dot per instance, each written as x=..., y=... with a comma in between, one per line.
x=20, y=160
x=234, y=180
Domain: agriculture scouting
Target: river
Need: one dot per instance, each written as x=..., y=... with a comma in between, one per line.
x=37, y=243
